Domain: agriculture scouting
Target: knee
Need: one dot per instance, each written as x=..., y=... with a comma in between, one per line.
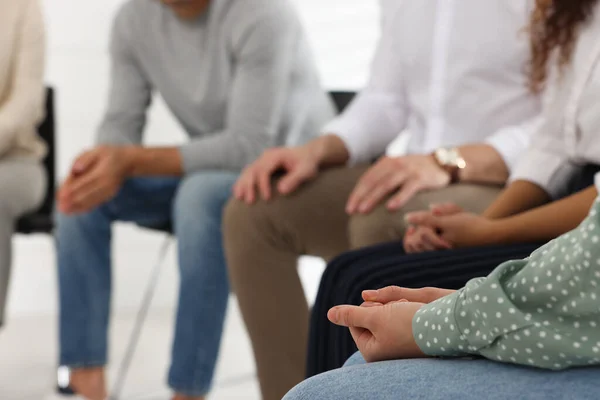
x=323, y=386
x=309, y=389
x=200, y=198
x=378, y=227
x=239, y=219
x=356, y=359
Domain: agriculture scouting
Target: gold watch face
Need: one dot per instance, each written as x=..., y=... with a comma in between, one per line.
x=450, y=158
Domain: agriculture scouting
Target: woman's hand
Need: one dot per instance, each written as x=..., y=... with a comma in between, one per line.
x=462, y=229
x=421, y=239
x=381, y=332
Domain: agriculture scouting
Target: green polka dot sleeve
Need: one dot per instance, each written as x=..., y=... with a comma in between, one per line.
x=543, y=311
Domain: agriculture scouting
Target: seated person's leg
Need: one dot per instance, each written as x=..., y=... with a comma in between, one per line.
x=84, y=269
x=22, y=186
x=541, y=311
x=204, y=287
x=438, y=379
x=263, y=243
x=387, y=265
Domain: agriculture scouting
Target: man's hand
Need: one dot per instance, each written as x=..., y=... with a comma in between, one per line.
x=422, y=238
x=381, y=332
x=462, y=229
x=395, y=293
x=405, y=175
x=96, y=177
x=298, y=163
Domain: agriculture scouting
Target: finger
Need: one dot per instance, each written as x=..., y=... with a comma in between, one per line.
x=419, y=247
x=408, y=247
x=264, y=178
x=83, y=183
x=350, y=316
x=407, y=192
x=89, y=199
x=249, y=188
x=370, y=304
x=366, y=184
x=394, y=293
x=84, y=162
x=434, y=241
x=423, y=218
x=296, y=176
x=385, y=295
x=387, y=185
x=445, y=209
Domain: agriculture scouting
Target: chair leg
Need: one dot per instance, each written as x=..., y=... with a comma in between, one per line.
x=139, y=322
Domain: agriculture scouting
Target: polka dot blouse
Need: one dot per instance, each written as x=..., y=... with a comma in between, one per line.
x=543, y=311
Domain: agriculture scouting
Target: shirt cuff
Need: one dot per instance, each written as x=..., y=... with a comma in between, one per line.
x=547, y=177
x=510, y=142
x=349, y=132
x=435, y=329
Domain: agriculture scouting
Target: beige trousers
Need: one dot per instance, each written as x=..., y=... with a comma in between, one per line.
x=263, y=243
x=22, y=188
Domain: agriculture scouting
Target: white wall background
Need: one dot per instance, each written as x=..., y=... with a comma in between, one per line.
x=343, y=34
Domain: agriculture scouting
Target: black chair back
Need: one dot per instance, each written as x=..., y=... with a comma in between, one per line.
x=342, y=99
x=41, y=220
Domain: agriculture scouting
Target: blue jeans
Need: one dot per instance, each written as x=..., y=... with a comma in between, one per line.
x=194, y=206
x=435, y=379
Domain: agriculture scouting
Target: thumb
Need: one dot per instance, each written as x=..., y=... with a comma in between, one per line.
x=352, y=316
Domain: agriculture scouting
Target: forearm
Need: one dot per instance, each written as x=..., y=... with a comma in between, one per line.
x=520, y=196
x=142, y=161
x=329, y=150
x=549, y=221
x=483, y=165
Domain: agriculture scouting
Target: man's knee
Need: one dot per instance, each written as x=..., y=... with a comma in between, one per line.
x=241, y=219
x=380, y=226
x=201, y=197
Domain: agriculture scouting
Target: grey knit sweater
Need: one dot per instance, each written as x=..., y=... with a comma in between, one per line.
x=239, y=79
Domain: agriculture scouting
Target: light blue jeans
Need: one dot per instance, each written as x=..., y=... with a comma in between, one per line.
x=435, y=379
x=194, y=206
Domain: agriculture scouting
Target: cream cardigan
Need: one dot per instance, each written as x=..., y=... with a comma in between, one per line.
x=22, y=46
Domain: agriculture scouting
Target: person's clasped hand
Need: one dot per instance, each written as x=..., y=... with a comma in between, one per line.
x=403, y=177
x=382, y=325
x=447, y=226
x=95, y=178
x=297, y=164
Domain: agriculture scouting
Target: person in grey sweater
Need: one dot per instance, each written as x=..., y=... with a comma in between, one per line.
x=239, y=77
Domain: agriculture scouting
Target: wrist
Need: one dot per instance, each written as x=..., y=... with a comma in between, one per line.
x=129, y=157
x=441, y=168
x=328, y=150
x=501, y=232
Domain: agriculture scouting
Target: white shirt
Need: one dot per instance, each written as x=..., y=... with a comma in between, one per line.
x=569, y=136
x=446, y=73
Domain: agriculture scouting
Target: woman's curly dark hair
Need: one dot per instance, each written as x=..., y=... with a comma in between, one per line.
x=554, y=26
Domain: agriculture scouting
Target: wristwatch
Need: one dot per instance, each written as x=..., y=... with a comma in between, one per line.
x=450, y=160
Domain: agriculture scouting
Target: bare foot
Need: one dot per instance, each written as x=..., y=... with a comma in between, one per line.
x=182, y=397
x=89, y=383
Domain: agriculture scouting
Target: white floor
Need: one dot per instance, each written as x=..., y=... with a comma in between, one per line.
x=28, y=342
x=28, y=354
